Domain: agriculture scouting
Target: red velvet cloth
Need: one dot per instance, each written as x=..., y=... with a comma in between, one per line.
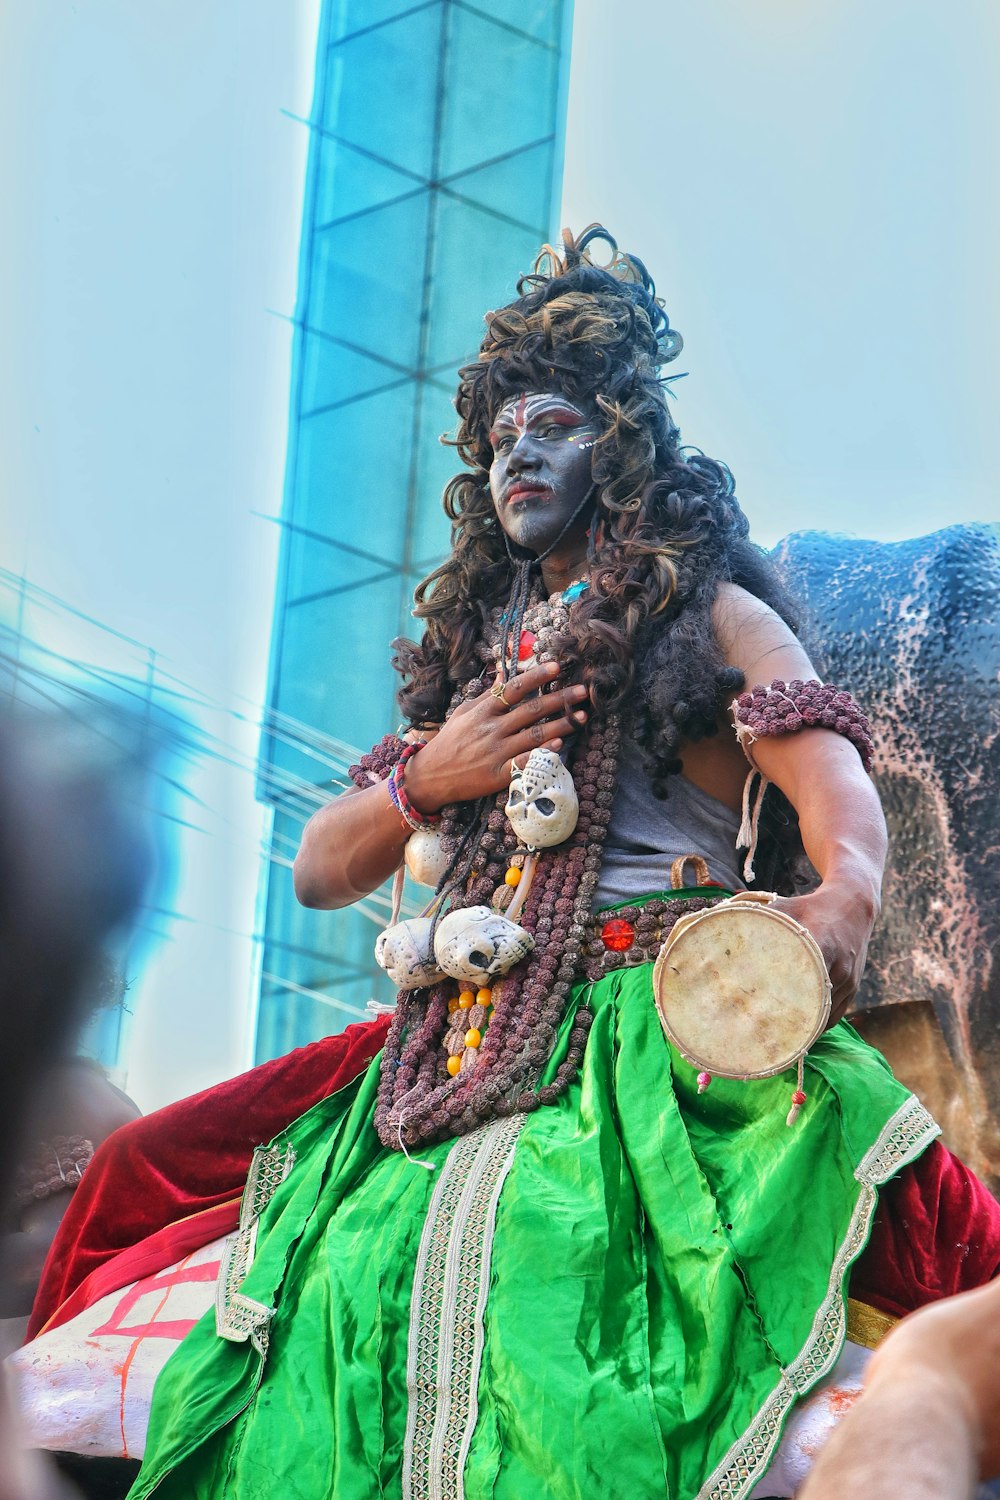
x=190, y=1156
x=164, y=1247
x=936, y=1232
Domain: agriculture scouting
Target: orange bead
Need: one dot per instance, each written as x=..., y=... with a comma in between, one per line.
x=512, y=876
x=473, y=1037
x=454, y=1063
x=453, y=1004
x=484, y=997
x=466, y=1000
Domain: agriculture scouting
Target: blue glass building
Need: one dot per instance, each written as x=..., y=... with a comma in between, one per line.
x=434, y=173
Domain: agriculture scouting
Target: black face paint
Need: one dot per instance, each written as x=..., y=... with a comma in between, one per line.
x=541, y=471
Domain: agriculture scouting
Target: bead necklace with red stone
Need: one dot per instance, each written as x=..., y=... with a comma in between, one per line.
x=507, y=1033
x=419, y=1100
x=543, y=622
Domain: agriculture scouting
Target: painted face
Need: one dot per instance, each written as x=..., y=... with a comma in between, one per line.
x=541, y=467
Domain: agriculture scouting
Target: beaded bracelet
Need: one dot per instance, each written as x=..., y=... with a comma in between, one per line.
x=377, y=763
x=787, y=708
x=401, y=802
x=56, y=1166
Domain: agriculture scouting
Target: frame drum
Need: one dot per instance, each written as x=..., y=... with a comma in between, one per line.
x=741, y=990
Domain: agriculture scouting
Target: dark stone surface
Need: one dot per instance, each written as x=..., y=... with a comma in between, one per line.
x=913, y=629
x=99, y=1478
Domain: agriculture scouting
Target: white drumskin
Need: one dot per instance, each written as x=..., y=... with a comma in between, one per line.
x=741, y=990
x=478, y=944
x=542, y=804
x=404, y=951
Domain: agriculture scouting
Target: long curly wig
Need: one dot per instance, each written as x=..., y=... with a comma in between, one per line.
x=666, y=527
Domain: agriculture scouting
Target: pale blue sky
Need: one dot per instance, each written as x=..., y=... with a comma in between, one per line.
x=155, y=187
x=813, y=186
x=815, y=189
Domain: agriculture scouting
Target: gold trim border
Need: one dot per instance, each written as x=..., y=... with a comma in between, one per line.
x=867, y=1325
x=238, y=1317
x=906, y=1134
x=450, y=1289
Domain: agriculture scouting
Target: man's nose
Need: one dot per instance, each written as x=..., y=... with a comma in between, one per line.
x=524, y=454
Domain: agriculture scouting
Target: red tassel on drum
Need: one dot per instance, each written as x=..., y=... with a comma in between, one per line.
x=798, y=1098
x=704, y=1079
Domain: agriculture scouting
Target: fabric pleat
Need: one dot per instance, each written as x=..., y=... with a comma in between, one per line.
x=618, y=1294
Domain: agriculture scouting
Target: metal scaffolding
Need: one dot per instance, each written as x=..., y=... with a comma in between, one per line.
x=434, y=173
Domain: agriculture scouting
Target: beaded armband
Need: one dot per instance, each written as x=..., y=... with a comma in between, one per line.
x=787, y=708
x=380, y=761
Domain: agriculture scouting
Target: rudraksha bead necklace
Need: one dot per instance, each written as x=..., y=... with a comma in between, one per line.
x=504, y=1036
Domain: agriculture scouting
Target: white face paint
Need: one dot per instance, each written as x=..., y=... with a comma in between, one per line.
x=528, y=413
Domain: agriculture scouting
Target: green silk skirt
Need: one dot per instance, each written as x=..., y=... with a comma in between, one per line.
x=622, y=1293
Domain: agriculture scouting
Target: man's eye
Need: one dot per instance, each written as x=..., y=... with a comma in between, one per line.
x=503, y=445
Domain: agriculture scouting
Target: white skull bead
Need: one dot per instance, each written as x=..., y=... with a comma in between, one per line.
x=478, y=944
x=542, y=805
x=425, y=858
x=404, y=951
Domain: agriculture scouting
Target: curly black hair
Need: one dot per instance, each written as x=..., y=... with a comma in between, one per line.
x=667, y=527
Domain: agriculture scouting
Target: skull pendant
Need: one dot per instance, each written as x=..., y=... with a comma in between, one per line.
x=404, y=952
x=426, y=861
x=542, y=806
x=478, y=944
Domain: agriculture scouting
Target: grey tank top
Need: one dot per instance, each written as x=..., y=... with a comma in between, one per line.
x=646, y=835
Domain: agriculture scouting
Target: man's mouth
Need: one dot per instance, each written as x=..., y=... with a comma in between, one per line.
x=524, y=490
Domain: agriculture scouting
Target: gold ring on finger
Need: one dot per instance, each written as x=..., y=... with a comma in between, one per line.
x=497, y=691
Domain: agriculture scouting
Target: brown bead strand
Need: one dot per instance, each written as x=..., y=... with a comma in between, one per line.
x=786, y=708
x=520, y=1037
x=379, y=762
x=418, y=1100
x=540, y=1043
x=543, y=999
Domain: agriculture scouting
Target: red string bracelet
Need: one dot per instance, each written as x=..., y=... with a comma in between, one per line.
x=401, y=802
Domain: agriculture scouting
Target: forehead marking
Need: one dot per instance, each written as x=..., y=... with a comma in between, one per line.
x=523, y=410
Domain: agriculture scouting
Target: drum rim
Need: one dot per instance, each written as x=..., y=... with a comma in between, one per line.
x=763, y=910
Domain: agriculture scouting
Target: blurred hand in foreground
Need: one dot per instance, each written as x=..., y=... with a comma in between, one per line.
x=927, y=1426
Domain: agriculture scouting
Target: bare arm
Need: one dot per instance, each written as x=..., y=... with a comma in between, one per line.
x=73, y=1100
x=356, y=842
x=349, y=848
x=821, y=774
x=929, y=1420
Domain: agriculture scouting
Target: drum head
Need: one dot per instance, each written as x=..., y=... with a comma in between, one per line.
x=742, y=990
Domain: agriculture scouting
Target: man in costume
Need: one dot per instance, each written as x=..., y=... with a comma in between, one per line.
x=525, y=1250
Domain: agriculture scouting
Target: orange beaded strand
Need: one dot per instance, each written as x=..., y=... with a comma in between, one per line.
x=468, y=1016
